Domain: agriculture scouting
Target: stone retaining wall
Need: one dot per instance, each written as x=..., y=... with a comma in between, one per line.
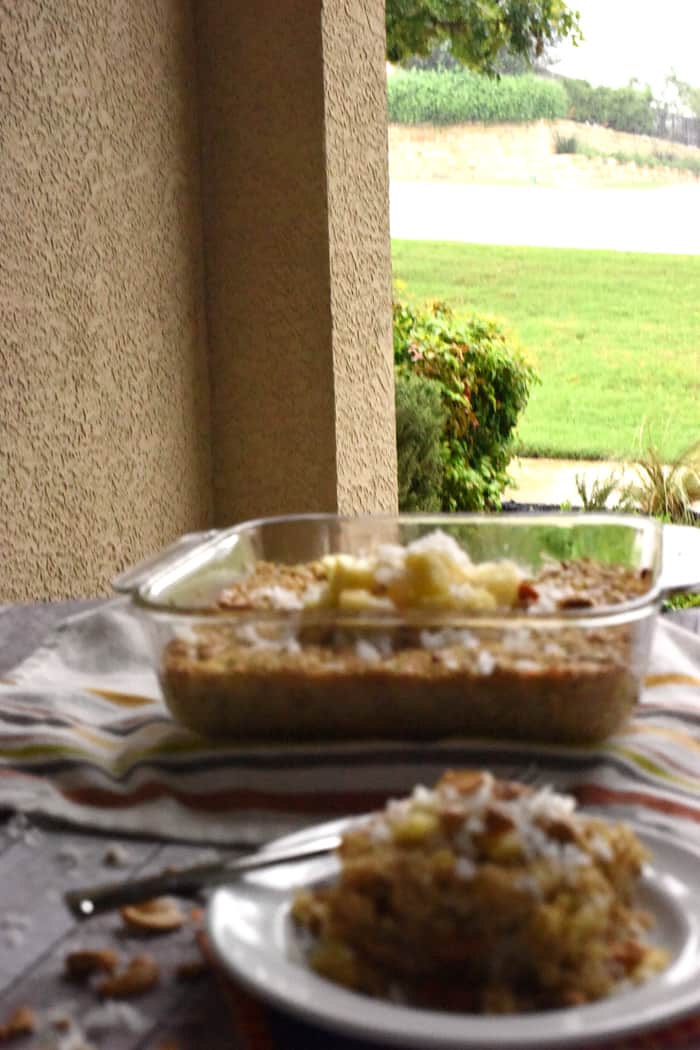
x=526, y=153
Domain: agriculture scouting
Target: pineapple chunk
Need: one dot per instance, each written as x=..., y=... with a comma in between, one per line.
x=415, y=828
x=344, y=573
x=356, y=599
x=504, y=849
x=336, y=960
x=500, y=578
x=473, y=599
x=432, y=573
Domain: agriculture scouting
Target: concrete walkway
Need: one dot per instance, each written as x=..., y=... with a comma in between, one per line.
x=553, y=481
x=662, y=219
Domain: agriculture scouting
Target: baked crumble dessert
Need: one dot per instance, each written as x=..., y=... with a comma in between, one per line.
x=482, y=895
x=350, y=646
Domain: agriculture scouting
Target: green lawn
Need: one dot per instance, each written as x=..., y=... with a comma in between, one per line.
x=613, y=336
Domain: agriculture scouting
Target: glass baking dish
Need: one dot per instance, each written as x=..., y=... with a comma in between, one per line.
x=318, y=627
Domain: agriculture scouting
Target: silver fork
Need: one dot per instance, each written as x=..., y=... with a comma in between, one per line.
x=92, y=900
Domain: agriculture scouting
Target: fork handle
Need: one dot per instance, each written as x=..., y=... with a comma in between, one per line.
x=93, y=900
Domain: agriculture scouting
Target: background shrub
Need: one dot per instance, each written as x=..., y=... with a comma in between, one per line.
x=461, y=97
x=566, y=144
x=624, y=109
x=445, y=95
x=420, y=422
x=484, y=384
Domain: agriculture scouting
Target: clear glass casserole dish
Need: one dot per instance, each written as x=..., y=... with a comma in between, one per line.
x=520, y=626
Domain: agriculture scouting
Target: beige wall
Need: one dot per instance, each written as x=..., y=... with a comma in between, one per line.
x=295, y=205
x=195, y=319
x=104, y=444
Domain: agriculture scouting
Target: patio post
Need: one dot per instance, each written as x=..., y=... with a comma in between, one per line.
x=294, y=177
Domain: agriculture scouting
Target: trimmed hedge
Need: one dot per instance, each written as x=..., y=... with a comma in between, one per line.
x=418, y=97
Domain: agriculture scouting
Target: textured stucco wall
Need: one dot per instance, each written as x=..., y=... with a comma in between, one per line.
x=104, y=416
x=354, y=48
x=295, y=192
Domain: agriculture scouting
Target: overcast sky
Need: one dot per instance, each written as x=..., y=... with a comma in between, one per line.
x=646, y=39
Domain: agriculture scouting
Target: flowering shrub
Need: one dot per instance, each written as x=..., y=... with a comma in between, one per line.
x=484, y=383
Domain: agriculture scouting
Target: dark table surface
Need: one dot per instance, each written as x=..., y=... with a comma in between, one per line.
x=39, y=863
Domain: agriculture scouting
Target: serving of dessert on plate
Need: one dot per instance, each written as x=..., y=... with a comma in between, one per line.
x=483, y=895
x=481, y=913
x=421, y=629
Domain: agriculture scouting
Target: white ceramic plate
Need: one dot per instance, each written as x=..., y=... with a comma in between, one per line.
x=251, y=931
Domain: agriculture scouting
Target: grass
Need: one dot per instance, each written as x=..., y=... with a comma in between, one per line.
x=614, y=337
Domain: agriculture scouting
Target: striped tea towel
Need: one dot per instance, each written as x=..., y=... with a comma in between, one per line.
x=85, y=737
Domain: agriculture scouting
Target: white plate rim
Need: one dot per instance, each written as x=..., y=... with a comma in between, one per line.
x=268, y=972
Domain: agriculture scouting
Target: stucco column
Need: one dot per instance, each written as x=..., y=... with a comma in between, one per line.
x=297, y=255
x=104, y=411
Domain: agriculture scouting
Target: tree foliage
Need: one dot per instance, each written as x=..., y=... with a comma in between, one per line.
x=624, y=109
x=478, y=30
x=687, y=95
